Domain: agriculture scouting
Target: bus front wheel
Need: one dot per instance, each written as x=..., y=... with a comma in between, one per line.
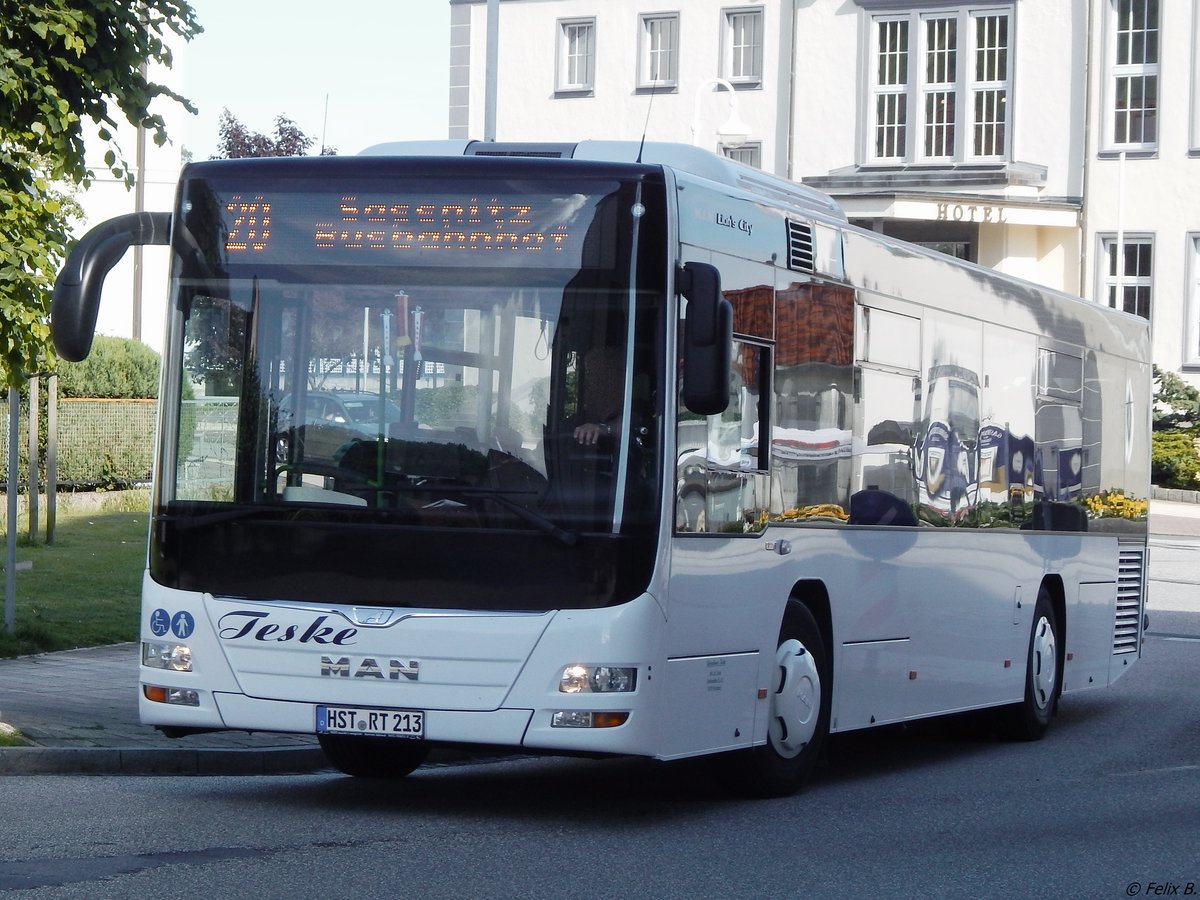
x=798, y=716
x=373, y=757
x=1029, y=719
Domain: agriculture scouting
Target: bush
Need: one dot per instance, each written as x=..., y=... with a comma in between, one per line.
x=105, y=443
x=1174, y=460
x=116, y=369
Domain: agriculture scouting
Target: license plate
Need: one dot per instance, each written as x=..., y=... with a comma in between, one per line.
x=404, y=723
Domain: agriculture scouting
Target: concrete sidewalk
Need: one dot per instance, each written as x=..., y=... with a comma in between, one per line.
x=79, y=709
x=1171, y=518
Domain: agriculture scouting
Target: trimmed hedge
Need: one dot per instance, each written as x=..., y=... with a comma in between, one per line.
x=116, y=369
x=106, y=417
x=1175, y=460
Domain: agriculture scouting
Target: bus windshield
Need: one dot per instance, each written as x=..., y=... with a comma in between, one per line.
x=429, y=388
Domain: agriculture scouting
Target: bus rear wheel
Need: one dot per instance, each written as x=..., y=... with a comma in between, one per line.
x=373, y=757
x=798, y=716
x=1029, y=719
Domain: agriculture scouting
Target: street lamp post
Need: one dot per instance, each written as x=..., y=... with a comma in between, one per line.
x=733, y=132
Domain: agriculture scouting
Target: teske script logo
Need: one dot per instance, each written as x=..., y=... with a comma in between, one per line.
x=247, y=624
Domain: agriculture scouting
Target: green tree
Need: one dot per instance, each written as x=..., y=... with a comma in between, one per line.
x=117, y=369
x=33, y=232
x=64, y=63
x=1176, y=403
x=236, y=141
x=1175, y=443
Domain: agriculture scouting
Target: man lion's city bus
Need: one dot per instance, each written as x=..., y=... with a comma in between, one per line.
x=613, y=449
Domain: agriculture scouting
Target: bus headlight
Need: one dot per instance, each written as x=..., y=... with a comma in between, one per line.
x=575, y=718
x=581, y=679
x=172, y=657
x=172, y=696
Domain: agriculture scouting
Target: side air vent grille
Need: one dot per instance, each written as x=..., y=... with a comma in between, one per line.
x=801, y=250
x=1131, y=578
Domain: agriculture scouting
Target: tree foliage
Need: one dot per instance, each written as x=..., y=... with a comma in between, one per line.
x=1175, y=460
x=33, y=231
x=1176, y=403
x=236, y=141
x=1175, y=453
x=64, y=63
x=117, y=368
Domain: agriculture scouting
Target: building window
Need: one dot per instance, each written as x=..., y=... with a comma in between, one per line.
x=1195, y=140
x=576, y=54
x=1191, y=351
x=1127, y=278
x=941, y=64
x=940, y=86
x=957, y=249
x=1134, y=74
x=742, y=45
x=658, y=50
x=749, y=153
x=891, y=91
x=989, y=88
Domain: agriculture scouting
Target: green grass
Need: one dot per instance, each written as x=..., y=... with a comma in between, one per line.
x=10, y=737
x=83, y=591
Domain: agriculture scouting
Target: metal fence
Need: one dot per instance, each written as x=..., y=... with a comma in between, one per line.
x=100, y=442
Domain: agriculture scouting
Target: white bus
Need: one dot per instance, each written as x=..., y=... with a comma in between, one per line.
x=612, y=449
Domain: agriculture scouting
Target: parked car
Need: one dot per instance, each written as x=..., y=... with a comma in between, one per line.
x=355, y=410
x=331, y=420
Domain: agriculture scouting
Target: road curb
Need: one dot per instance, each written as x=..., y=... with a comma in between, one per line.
x=134, y=761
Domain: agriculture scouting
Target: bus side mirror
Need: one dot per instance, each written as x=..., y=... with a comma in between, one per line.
x=707, y=339
x=75, y=302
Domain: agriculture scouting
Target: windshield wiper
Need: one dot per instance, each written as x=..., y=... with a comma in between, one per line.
x=537, y=520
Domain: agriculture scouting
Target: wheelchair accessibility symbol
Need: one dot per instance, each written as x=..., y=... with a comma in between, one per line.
x=160, y=621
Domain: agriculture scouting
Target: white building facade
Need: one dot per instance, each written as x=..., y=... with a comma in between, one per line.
x=622, y=69
x=1143, y=171
x=986, y=129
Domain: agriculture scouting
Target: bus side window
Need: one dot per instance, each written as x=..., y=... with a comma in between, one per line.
x=814, y=383
x=723, y=468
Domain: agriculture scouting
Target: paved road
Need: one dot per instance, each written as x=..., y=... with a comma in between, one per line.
x=1104, y=806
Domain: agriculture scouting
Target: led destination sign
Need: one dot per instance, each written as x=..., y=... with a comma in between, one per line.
x=291, y=228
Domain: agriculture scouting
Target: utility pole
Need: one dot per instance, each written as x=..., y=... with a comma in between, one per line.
x=139, y=205
x=491, y=70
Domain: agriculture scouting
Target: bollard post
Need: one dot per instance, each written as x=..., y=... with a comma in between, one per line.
x=34, y=490
x=51, y=457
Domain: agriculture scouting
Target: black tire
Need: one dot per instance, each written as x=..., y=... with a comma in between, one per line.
x=1029, y=719
x=373, y=757
x=798, y=721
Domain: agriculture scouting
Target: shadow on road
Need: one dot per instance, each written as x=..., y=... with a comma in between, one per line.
x=628, y=790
